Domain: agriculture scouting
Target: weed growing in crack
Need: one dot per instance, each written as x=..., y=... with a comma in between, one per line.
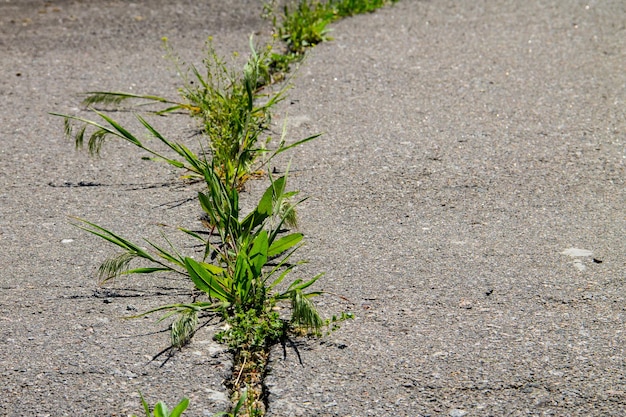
x=232, y=118
x=243, y=269
x=304, y=23
x=242, y=273
x=243, y=261
x=345, y=8
x=245, y=258
x=232, y=107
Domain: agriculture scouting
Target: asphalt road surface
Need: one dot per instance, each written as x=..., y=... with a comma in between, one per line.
x=467, y=203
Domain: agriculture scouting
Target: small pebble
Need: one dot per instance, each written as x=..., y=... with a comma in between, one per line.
x=457, y=413
x=465, y=303
x=574, y=252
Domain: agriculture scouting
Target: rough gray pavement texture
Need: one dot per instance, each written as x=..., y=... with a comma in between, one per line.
x=64, y=348
x=468, y=148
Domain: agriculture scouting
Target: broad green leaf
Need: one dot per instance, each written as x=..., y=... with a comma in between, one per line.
x=278, y=187
x=266, y=204
x=265, y=208
x=180, y=408
x=243, y=277
x=214, y=269
x=212, y=285
x=258, y=253
x=283, y=244
x=160, y=410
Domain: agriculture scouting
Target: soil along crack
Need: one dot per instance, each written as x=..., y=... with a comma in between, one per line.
x=248, y=387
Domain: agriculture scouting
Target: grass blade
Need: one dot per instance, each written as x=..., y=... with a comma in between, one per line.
x=293, y=145
x=160, y=410
x=144, y=403
x=283, y=244
x=207, y=282
x=180, y=408
x=115, y=98
x=125, y=134
x=115, y=239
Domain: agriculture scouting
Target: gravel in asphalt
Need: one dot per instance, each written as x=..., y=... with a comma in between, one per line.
x=467, y=199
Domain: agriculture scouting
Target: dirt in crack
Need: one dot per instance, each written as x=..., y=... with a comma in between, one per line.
x=249, y=371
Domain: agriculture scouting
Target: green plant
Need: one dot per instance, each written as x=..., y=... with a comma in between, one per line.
x=304, y=23
x=231, y=117
x=183, y=158
x=240, y=403
x=233, y=111
x=240, y=277
x=344, y=8
x=241, y=272
x=243, y=265
x=161, y=410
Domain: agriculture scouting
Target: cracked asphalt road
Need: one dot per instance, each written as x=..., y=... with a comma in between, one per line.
x=467, y=147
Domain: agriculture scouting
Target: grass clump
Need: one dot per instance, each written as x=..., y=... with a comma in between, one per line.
x=231, y=118
x=345, y=8
x=304, y=23
x=232, y=108
x=242, y=274
x=242, y=271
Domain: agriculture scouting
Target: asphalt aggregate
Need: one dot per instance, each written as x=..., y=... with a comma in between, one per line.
x=466, y=203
